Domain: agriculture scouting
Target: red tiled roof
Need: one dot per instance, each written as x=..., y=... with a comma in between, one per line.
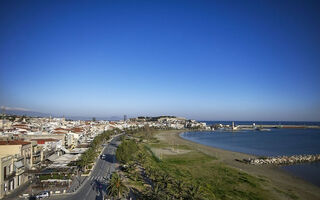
x=42, y=141
x=59, y=129
x=21, y=127
x=77, y=130
x=22, y=131
x=18, y=125
x=14, y=142
x=45, y=139
x=59, y=132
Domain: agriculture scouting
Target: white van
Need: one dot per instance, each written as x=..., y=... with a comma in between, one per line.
x=43, y=194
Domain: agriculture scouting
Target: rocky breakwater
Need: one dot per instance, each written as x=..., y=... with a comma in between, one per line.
x=283, y=160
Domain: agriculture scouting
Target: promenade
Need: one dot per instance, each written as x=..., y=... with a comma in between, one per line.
x=94, y=186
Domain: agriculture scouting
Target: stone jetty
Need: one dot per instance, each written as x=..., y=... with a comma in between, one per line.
x=283, y=160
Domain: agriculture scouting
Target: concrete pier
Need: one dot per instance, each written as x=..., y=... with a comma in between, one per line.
x=278, y=126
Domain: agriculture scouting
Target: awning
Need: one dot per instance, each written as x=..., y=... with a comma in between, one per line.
x=18, y=164
x=53, y=157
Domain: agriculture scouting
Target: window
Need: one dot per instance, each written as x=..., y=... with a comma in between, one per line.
x=5, y=172
x=11, y=185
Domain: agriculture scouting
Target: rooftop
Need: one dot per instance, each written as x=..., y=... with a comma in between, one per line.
x=14, y=142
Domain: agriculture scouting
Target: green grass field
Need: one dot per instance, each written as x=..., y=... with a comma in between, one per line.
x=221, y=182
x=201, y=175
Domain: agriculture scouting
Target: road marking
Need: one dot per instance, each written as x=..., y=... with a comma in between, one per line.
x=98, y=178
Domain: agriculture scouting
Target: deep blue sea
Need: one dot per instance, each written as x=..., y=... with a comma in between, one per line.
x=268, y=143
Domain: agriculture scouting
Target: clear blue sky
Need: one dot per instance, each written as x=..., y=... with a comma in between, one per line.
x=207, y=60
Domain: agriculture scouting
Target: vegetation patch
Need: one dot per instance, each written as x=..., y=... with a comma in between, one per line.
x=192, y=175
x=54, y=176
x=89, y=156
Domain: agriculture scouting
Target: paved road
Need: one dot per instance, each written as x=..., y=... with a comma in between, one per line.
x=95, y=185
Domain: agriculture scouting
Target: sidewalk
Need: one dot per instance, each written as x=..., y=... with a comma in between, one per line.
x=19, y=191
x=76, y=183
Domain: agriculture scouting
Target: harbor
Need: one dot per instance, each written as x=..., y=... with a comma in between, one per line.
x=260, y=126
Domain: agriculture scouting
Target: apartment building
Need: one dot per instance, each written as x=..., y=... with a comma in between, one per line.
x=30, y=151
x=12, y=173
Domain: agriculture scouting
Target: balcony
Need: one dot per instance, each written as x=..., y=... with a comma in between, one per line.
x=19, y=167
x=10, y=176
x=36, y=161
x=20, y=170
x=37, y=153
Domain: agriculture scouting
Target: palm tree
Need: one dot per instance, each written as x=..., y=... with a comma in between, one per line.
x=180, y=188
x=130, y=167
x=165, y=180
x=116, y=188
x=195, y=192
x=141, y=157
x=156, y=192
x=152, y=173
x=84, y=161
x=131, y=171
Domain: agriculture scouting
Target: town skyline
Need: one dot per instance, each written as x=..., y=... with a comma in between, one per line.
x=30, y=113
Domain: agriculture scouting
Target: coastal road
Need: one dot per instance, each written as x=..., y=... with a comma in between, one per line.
x=94, y=186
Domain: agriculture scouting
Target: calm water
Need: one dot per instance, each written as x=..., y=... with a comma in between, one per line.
x=264, y=123
x=268, y=143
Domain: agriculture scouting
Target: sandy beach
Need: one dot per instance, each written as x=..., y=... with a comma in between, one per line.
x=275, y=176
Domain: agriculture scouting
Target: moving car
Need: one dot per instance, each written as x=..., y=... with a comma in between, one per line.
x=43, y=194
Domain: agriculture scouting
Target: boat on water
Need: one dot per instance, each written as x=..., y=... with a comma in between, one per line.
x=263, y=129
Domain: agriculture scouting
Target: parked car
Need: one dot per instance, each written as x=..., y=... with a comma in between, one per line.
x=103, y=156
x=43, y=194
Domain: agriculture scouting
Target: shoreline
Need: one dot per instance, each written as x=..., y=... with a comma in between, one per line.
x=277, y=177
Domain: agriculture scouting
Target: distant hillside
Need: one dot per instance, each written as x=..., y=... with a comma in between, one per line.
x=26, y=113
x=112, y=118
x=39, y=114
